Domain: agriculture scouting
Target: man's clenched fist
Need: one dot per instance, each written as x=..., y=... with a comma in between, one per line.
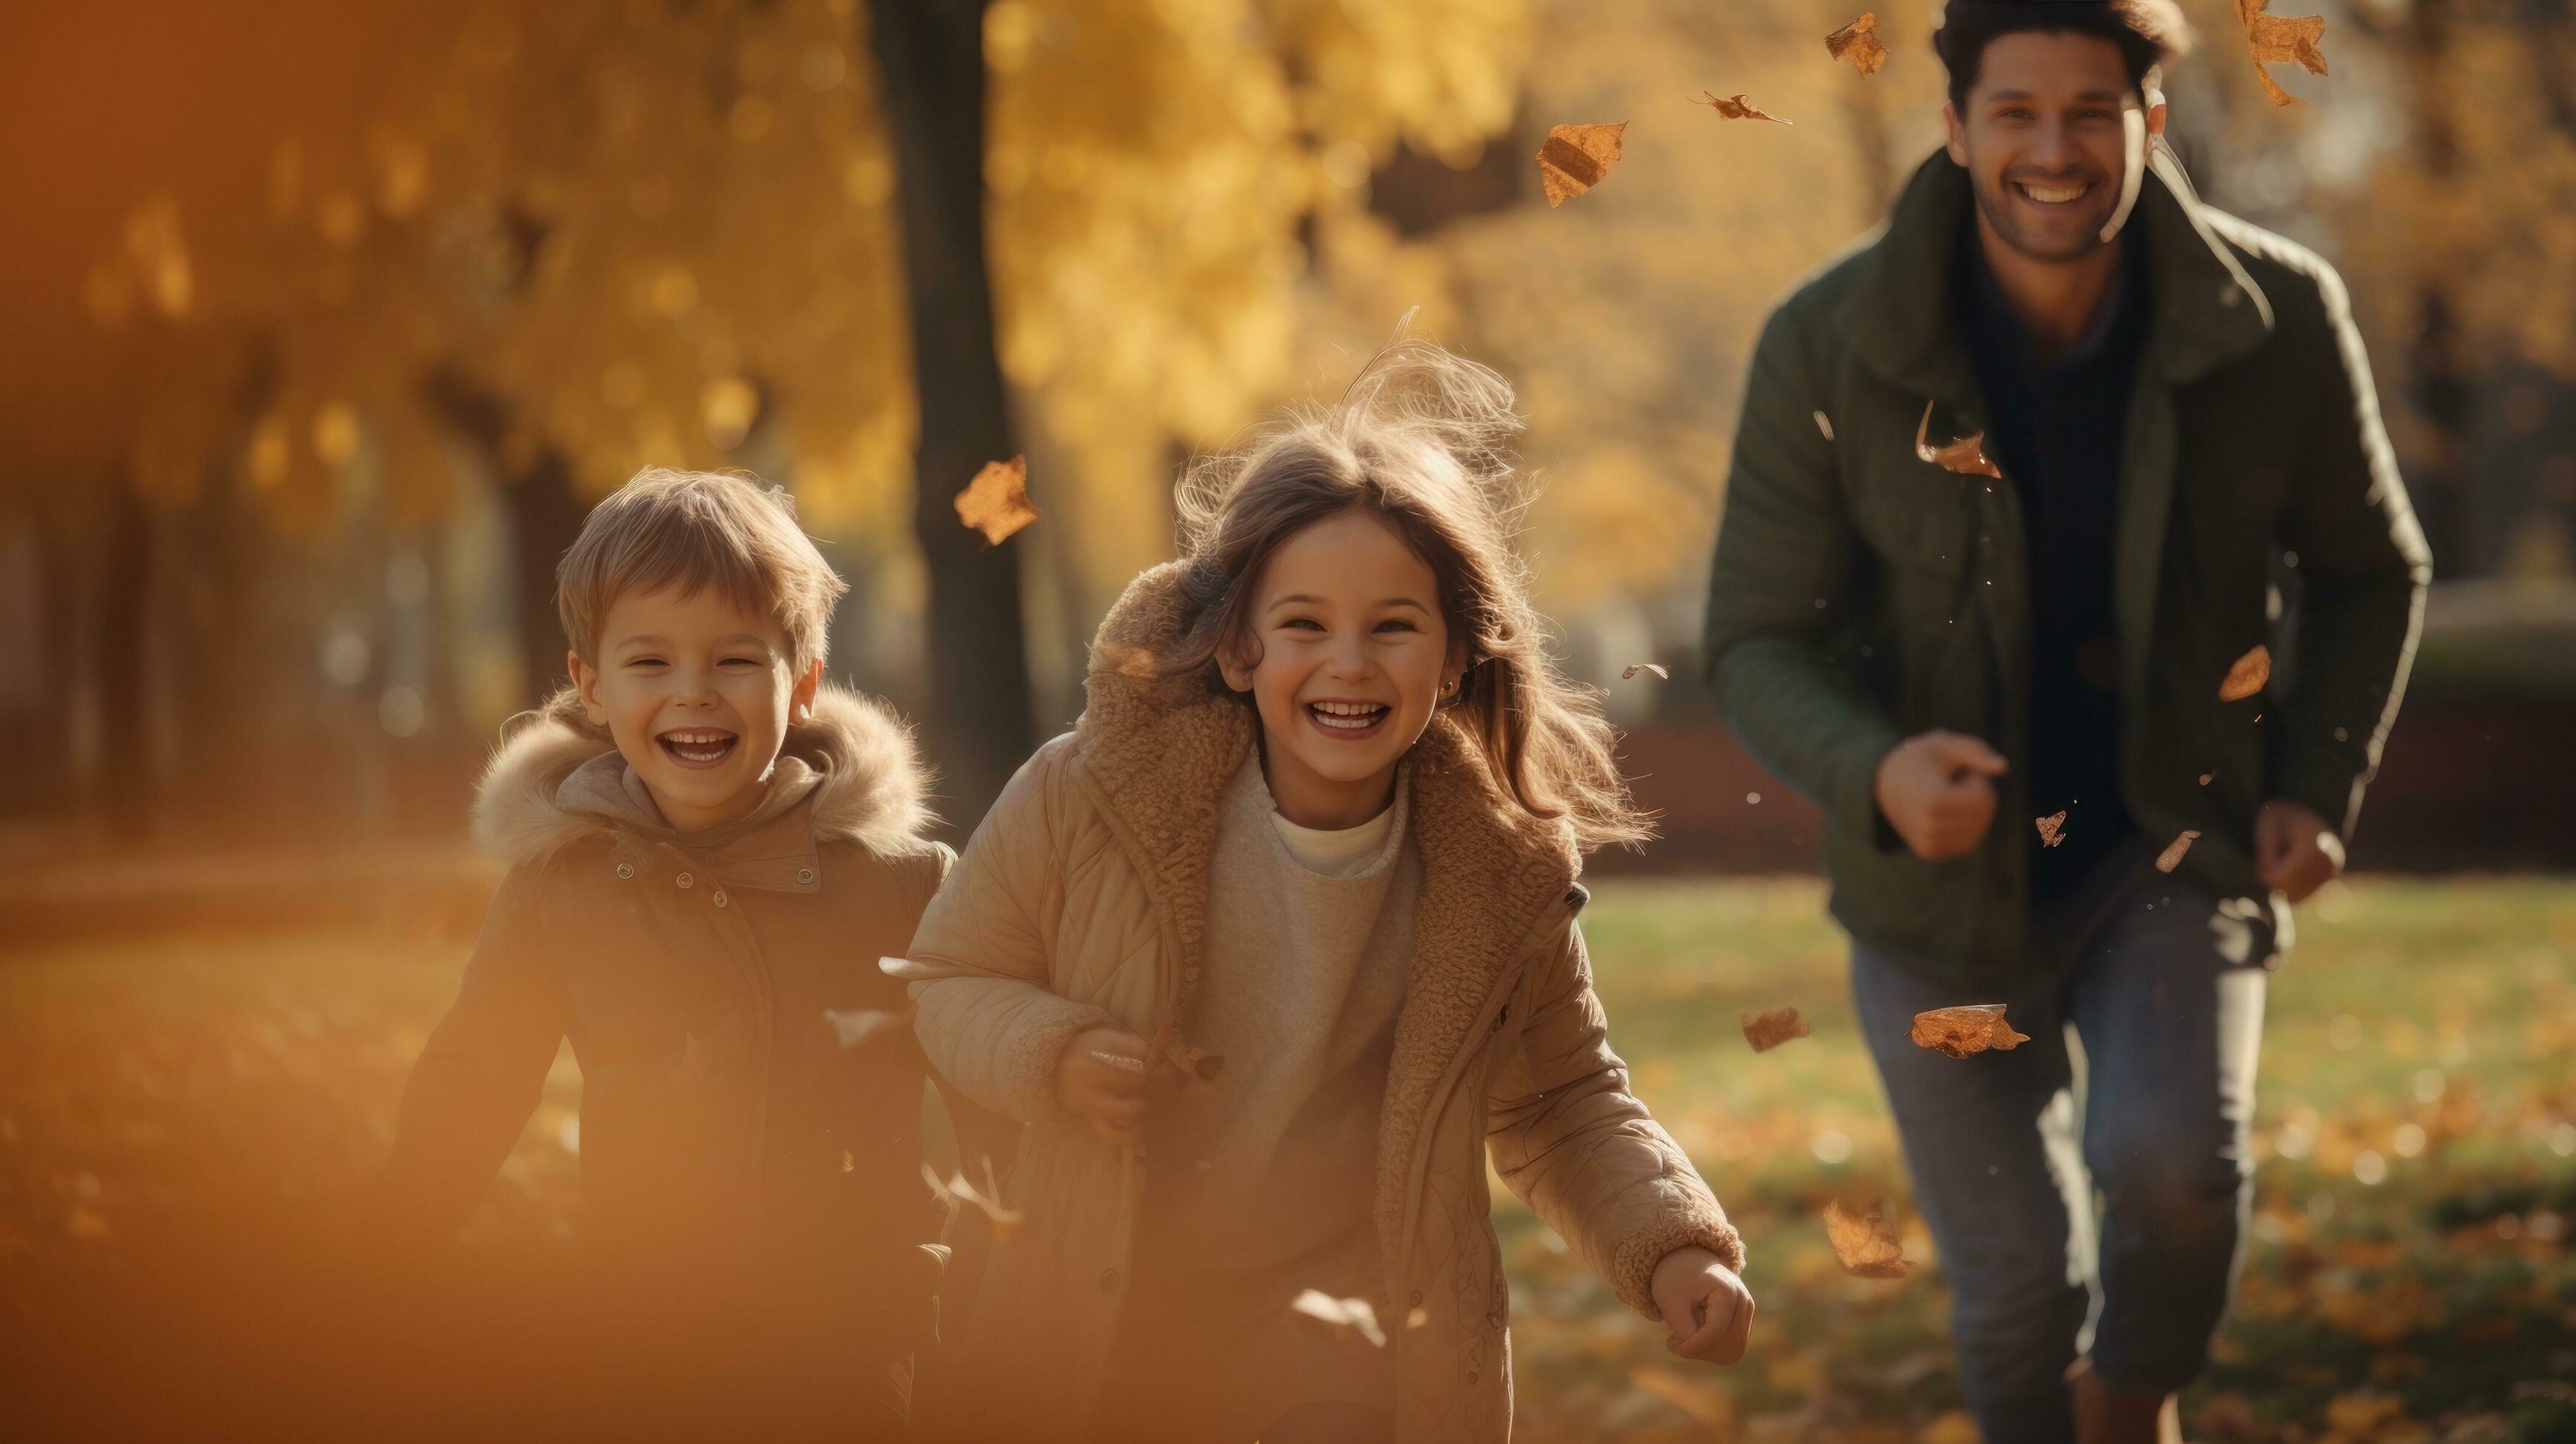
x=1937, y=790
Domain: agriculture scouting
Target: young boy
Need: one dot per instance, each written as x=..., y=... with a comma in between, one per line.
x=708, y=851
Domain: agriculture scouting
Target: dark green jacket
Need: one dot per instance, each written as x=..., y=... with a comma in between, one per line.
x=1862, y=595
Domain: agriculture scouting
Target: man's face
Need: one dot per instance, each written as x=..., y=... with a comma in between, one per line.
x=2044, y=140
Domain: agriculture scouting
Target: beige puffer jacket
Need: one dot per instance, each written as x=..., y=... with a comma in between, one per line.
x=1082, y=900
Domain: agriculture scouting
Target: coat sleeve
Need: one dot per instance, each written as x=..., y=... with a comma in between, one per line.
x=480, y=1074
x=1784, y=540
x=1570, y=1139
x=2365, y=570
x=981, y=964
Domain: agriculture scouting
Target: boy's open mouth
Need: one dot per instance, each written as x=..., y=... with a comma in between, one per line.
x=697, y=747
x=1349, y=719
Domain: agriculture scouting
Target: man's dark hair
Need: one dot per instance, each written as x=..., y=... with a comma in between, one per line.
x=2148, y=32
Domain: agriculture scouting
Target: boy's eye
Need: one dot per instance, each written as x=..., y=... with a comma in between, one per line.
x=643, y=661
x=740, y=662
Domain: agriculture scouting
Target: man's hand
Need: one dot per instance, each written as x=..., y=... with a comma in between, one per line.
x=1108, y=1096
x=1707, y=1308
x=1938, y=792
x=2294, y=850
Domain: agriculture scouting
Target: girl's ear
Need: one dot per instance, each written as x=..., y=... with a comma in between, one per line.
x=1234, y=667
x=800, y=703
x=585, y=680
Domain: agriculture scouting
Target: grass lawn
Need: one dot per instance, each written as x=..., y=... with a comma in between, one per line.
x=2410, y=1275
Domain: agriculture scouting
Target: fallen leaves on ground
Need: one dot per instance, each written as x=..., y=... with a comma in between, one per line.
x=996, y=502
x=857, y=1025
x=2171, y=857
x=1575, y=158
x=2247, y=676
x=2052, y=828
x=1858, y=43
x=961, y=1192
x=1657, y=668
x=1354, y=1314
x=2281, y=40
x=1766, y=1031
x=1966, y=456
x=1864, y=1244
x=1737, y=107
x=1966, y=1030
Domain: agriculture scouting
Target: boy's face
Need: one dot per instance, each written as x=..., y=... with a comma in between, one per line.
x=2045, y=140
x=1352, y=654
x=698, y=695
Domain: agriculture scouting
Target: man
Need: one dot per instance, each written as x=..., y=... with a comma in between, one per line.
x=2020, y=677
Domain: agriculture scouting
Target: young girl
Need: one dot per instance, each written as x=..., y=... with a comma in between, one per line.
x=1278, y=944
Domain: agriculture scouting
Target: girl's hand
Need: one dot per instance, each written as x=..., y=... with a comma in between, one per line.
x=1110, y=1096
x=1708, y=1308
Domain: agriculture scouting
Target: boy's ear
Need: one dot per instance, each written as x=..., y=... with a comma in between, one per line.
x=800, y=703
x=585, y=680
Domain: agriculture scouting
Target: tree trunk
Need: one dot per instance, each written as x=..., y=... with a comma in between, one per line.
x=931, y=53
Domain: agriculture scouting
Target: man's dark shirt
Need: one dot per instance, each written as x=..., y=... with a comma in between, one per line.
x=2057, y=432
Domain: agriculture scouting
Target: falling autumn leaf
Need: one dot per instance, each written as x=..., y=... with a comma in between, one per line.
x=1660, y=671
x=2171, y=857
x=858, y=1025
x=1766, y=1031
x=1736, y=107
x=1858, y=43
x=2248, y=675
x=1966, y=456
x=960, y=1192
x=1962, y=1031
x=1354, y=1314
x=1864, y=1244
x=1575, y=158
x=693, y=1064
x=2052, y=828
x=996, y=502
x=2206, y=777
x=2281, y=40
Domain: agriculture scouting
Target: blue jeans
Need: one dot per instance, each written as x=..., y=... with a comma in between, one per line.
x=2143, y=999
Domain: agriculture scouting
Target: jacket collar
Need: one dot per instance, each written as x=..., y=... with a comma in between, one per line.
x=2208, y=310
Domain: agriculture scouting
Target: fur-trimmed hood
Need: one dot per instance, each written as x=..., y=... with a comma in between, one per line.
x=871, y=787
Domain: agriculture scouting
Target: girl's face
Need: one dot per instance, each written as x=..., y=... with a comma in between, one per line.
x=1353, y=655
x=697, y=694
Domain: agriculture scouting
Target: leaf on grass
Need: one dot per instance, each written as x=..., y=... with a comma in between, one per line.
x=2052, y=828
x=961, y=1192
x=1353, y=1314
x=2248, y=675
x=1966, y=1030
x=858, y=1025
x=2281, y=40
x=1656, y=668
x=1863, y=1244
x=996, y=502
x=1575, y=158
x=693, y=1063
x=1766, y=1031
x=1706, y=1403
x=1736, y=107
x=1858, y=43
x=2171, y=857
x=1966, y=456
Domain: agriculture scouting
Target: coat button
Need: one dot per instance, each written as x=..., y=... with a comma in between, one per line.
x=1416, y=1300
x=1109, y=1281
x=687, y=881
x=721, y=899
x=804, y=874
x=626, y=869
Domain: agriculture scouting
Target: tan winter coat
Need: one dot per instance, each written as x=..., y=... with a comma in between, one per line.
x=1082, y=900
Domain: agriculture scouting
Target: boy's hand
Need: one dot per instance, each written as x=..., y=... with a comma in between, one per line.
x=1108, y=1096
x=1708, y=1308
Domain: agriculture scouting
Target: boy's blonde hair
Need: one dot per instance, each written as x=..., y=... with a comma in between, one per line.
x=694, y=530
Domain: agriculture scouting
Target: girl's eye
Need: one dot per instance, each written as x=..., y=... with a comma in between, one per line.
x=1396, y=624
x=1309, y=623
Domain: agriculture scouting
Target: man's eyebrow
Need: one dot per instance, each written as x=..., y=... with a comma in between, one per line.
x=2090, y=97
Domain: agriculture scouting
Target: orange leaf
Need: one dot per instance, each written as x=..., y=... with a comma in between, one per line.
x=2052, y=829
x=1966, y=456
x=1657, y=669
x=2171, y=857
x=1766, y=1031
x=996, y=502
x=1858, y=43
x=1962, y=1031
x=1736, y=107
x=2248, y=675
x=2281, y=40
x=1576, y=158
x=1864, y=1245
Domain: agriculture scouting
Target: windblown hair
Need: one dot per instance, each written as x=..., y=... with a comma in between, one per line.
x=1421, y=441
x=695, y=531
x=2148, y=32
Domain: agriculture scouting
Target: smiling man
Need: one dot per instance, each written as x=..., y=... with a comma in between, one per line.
x=2012, y=675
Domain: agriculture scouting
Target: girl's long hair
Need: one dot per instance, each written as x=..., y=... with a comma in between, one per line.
x=1421, y=440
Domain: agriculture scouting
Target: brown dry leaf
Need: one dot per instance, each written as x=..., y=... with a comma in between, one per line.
x=857, y=1025
x=996, y=502
x=1659, y=670
x=2052, y=829
x=1706, y=1403
x=1736, y=107
x=2248, y=675
x=960, y=1192
x=1858, y=43
x=1966, y=456
x=1864, y=1244
x=2171, y=857
x=2281, y=40
x=1962, y=1031
x=1766, y=1031
x=2206, y=778
x=1576, y=158
x=1357, y=1315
